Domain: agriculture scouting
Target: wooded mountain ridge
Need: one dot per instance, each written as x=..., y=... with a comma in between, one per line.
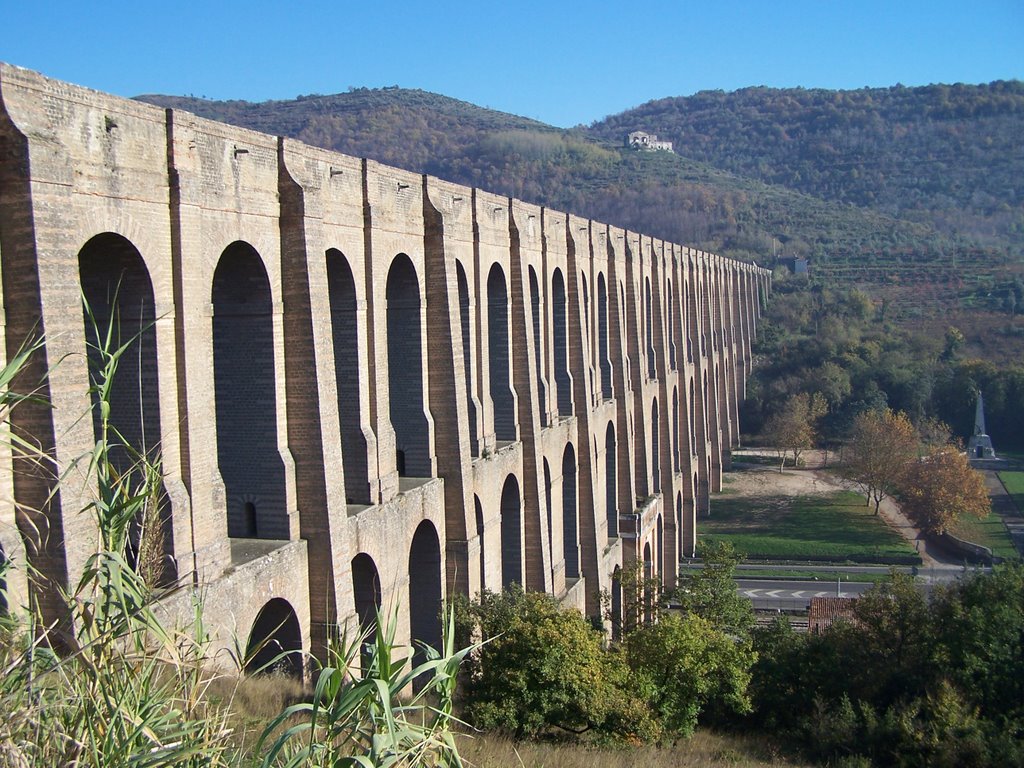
x=914, y=192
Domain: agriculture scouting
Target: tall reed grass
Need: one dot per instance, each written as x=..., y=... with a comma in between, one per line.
x=122, y=688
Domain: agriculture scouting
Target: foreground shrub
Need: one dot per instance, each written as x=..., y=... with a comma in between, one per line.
x=544, y=667
x=683, y=665
x=908, y=682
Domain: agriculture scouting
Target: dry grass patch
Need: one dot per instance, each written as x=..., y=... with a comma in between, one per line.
x=705, y=749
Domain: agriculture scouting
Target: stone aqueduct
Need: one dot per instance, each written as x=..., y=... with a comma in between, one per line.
x=365, y=386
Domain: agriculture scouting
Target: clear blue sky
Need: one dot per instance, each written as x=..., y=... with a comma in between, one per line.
x=560, y=62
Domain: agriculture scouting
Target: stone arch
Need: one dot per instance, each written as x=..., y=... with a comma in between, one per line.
x=478, y=512
x=693, y=420
x=648, y=590
x=603, y=357
x=499, y=355
x=679, y=522
x=655, y=449
x=538, y=354
x=617, y=603
x=671, y=316
x=467, y=354
x=365, y=592
x=659, y=546
x=511, y=533
x=684, y=306
x=118, y=292
x=245, y=396
x=118, y=295
x=611, y=481
x=570, y=514
x=551, y=513
x=623, y=330
x=675, y=429
x=275, y=642
x=405, y=370
x=560, y=339
x=342, y=297
x=425, y=590
x=585, y=295
x=652, y=372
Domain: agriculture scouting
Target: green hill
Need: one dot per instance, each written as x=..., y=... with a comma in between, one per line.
x=913, y=193
x=948, y=155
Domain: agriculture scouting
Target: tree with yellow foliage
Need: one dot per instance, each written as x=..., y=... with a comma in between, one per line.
x=795, y=427
x=941, y=488
x=882, y=447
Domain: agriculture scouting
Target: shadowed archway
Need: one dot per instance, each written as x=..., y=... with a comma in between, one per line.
x=611, y=481
x=275, y=642
x=467, y=353
x=538, y=349
x=499, y=355
x=120, y=312
x=341, y=291
x=560, y=340
x=425, y=590
x=405, y=370
x=246, y=400
x=511, y=533
x=570, y=515
x=604, y=361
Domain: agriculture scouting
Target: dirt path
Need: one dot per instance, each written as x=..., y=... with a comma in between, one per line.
x=760, y=480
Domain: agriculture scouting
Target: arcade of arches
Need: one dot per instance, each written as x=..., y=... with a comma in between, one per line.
x=366, y=388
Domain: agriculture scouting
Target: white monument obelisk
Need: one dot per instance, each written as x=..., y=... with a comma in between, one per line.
x=980, y=444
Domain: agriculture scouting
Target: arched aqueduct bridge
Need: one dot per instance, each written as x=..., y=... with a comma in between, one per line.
x=366, y=387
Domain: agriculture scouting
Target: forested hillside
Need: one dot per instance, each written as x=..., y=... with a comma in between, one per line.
x=913, y=194
x=948, y=155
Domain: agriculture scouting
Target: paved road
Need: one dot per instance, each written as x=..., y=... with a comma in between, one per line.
x=775, y=594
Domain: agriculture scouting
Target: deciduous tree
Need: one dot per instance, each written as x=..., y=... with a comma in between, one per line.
x=711, y=591
x=683, y=665
x=941, y=488
x=882, y=446
x=544, y=667
x=795, y=427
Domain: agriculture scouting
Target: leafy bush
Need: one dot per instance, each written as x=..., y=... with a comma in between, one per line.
x=544, y=667
x=908, y=682
x=711, y=591
x=682, y=665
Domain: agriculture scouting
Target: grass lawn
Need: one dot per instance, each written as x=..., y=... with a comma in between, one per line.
x=836, y=528
x=823, y=575
x=988, y=531
x=1014, y=482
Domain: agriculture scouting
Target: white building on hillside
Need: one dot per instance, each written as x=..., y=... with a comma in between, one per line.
x=647, y=142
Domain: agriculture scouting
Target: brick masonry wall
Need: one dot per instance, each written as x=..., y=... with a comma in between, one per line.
x=338, y=397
